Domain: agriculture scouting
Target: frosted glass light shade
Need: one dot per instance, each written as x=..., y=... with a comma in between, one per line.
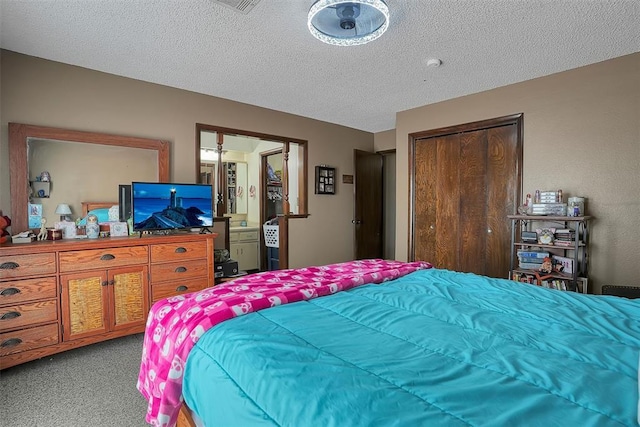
x=348, y=23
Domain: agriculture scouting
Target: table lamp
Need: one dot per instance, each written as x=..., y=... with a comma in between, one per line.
x=64, y=211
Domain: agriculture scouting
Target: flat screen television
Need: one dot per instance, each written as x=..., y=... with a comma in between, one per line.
x=171, y=206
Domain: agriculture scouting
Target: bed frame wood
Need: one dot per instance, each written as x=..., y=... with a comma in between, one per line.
x=184, y=417
x=89, y=206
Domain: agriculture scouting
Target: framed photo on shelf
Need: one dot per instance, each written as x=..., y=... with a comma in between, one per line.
x=325, y=180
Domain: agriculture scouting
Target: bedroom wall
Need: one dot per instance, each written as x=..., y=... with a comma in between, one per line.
x=581, y=135
x=47, y=93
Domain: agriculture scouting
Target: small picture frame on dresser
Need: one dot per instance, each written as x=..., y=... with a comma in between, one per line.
x=69, y=229
x=118, y=229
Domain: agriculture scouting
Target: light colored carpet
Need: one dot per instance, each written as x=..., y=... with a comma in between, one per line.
x=90, y=386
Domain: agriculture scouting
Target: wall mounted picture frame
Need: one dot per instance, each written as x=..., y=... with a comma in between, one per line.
x=325, y=180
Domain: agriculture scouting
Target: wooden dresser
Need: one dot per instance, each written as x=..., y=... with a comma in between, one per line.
x=59, y=295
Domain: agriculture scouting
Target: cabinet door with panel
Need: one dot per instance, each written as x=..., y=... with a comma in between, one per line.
x=244, y=248
x=102, y=301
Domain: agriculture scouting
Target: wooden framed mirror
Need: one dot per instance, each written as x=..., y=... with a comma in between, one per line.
x=20, y=136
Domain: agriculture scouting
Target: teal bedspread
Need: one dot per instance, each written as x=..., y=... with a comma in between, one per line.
x=433, y=348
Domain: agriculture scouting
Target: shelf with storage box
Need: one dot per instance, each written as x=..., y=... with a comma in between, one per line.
x=64, y=294
x=550, y=251
x=40, y=189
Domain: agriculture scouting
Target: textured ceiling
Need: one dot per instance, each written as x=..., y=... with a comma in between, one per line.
x=268, y=58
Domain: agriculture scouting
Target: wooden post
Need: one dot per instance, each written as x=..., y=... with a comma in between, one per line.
x=221, y=178
x=285, y=179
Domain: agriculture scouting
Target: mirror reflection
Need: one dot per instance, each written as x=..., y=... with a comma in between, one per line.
x=70, y=171
x=80, y=172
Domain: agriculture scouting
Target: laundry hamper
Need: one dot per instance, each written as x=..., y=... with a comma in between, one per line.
x=271, y=241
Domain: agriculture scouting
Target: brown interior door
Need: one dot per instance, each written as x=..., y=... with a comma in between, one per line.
x=368, y=205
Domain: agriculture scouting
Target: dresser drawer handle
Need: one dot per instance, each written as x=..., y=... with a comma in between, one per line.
x=9, y=265
x=10, y=315
x=11, y=342
x=9, y=291
x=180, y=250
x=181, y=269
x=107, y=257
x=182, y=288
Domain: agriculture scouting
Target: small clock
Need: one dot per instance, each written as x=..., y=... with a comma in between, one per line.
x=545, y=236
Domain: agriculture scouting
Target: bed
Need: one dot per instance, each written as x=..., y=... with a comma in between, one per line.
x=419, y=346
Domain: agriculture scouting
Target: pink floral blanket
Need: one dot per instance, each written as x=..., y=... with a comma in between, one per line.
x=175, y=324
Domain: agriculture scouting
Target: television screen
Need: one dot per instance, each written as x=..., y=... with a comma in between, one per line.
x=165, y=206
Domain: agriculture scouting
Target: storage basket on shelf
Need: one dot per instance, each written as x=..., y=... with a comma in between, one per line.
x=271, y=235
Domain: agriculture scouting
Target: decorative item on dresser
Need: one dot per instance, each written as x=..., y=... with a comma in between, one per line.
x=55, y=296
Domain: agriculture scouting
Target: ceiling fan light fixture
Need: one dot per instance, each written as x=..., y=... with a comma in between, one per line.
x=348, y=23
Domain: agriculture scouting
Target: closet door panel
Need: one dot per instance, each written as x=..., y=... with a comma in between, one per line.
x=426, y=156
x=473, y=209
x=448, y=202
x=502, y=185
x=463, y=192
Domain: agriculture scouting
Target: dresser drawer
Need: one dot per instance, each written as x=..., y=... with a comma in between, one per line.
x=28, y=339
x=20, y=315
x=179, y=270
x=103, y=258
x=15, y=266
x=243, y=236
x=177, y=287
x=178, y=251
x=17, y=291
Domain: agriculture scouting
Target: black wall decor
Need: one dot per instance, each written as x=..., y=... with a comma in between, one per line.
x=325, y=180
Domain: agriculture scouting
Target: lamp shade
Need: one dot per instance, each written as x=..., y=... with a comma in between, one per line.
x=348, y=23
x=63, y=209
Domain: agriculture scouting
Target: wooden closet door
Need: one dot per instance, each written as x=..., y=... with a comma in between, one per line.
x=504, y=154
x=472, y=214
x=464, y=186
x=425, y=201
